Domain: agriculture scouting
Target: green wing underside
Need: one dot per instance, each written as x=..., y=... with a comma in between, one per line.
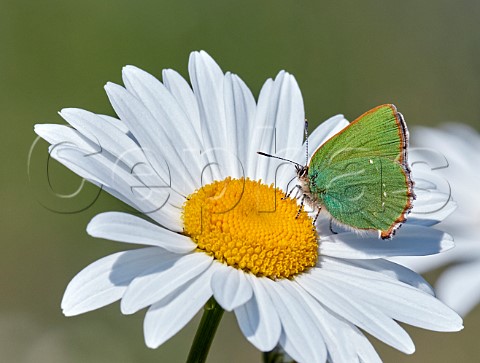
x=364, y=192
x=357, y=175
x=376, y=134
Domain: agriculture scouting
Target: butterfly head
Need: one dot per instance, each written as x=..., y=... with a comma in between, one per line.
x=302, y=171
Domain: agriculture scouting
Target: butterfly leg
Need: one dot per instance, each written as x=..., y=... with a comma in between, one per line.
x=316, y=215
x=331, y=227
x=288, y=194
x=301, y=206
x=300, y=191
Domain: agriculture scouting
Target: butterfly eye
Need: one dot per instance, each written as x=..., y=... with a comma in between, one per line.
x=302, y=171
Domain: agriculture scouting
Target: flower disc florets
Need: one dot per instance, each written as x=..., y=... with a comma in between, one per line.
x=250, y=226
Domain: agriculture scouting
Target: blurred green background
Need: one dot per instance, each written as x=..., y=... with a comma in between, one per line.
x=347, y=57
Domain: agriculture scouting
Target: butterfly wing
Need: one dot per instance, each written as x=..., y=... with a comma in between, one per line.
x=361, y=175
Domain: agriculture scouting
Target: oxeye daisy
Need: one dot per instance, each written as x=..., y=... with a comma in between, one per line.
x=459, y=148
x=220, y=230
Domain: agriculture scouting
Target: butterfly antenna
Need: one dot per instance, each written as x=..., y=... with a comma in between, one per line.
x=306, y=141
x=278, y=157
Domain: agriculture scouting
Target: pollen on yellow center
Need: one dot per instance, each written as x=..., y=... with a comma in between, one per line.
x=248, y=225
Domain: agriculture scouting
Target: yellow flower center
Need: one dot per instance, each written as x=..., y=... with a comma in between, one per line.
x=248, y=225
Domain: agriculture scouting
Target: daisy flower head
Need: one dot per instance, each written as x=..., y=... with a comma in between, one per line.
x=459, y=145
x=217, y=222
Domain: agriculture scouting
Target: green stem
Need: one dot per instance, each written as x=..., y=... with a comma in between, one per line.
x=275, y=356
x=212, y=315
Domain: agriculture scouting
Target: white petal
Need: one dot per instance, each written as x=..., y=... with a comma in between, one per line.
x=207, y=81
x=431, y=159
x=336, y=332
x=119, y=152
x=432, y=204
x=108, y=137
x=278, y=107
x=320, y=135
x=259, y=127
x=125, y=227
x=410, y=240
x=153, y=201
x=167, y=277
x=459, y=287
x=89, y=165
x=423, y=184
x=264, y=130
x=104, y=281
x=395, y=271
x=257, y=320
x=167, y=159
x=394, y=298
x=91, y=161
x=239, y=112
x=422, y=264
x=184, y=95
x=430, y=219
x=88, y=159
x=300, y=338
x=231, y=287
x=343, y=303
x=156, y=98
x=171, y=117
x=366, y=352
x=168, y=316
x=116, y=123
x=325, y=131
x=61, y=134
x=290, y=117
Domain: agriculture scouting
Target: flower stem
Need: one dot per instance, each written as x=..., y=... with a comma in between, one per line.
x=212, y=315
x=277, y=355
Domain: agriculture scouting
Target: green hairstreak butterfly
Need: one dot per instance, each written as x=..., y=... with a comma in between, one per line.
x=360, y=176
